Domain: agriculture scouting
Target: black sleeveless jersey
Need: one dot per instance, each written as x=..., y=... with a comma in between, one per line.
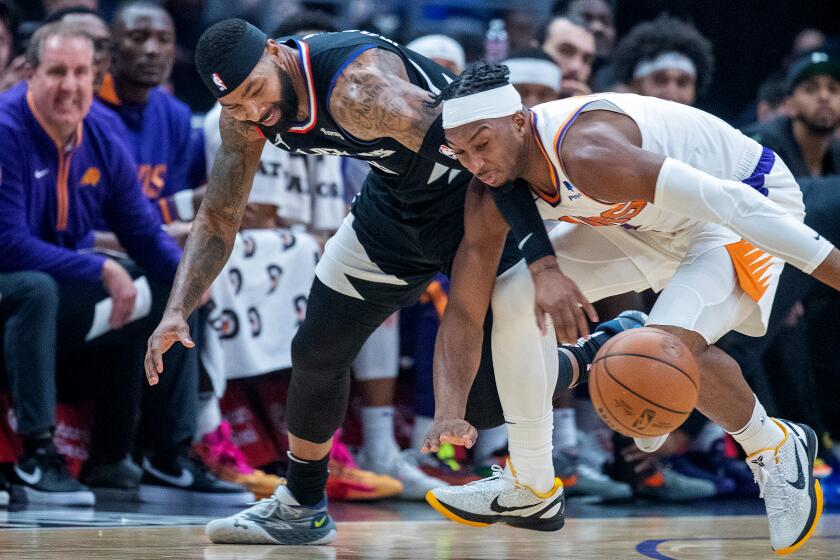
x=405, y=186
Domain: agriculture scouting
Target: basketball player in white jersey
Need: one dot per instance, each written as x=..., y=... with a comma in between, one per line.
x=647, y=193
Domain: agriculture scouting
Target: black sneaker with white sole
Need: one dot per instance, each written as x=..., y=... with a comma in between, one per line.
x=185, y=480
x=118, y=481
x=41, y=477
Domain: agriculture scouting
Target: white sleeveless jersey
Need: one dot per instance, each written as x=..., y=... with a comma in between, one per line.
x=671, y=129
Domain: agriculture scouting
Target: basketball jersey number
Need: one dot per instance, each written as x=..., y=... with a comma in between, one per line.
x=615, y=216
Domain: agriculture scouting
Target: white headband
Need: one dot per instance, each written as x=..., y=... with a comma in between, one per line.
x=491, y=104
x=534, y=71
x=439, y=46
x=665, y=61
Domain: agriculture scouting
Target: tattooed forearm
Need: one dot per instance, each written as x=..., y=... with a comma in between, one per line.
x=373, y=98
x=214, y=228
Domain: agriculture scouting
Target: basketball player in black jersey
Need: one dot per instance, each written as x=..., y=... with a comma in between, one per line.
x=360, y=95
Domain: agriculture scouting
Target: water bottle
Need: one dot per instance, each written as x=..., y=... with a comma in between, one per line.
x=496, y=44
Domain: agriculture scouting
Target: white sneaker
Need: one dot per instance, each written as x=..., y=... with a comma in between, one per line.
x=792, y=496
x=649, y=445
x=501, y=499
x=403, y=466
x=4, y=498
x=279, y=519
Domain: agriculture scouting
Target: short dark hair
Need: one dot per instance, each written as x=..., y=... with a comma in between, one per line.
x=772, y=90
x=542, y=30
x=127, y=5
x=306, y=20
x=562, y=7
x=55, y=29
x=649, y=39
x=478, y=77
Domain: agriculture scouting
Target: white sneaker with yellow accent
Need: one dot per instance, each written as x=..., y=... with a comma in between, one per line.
x=499, y=498
x=792, y=496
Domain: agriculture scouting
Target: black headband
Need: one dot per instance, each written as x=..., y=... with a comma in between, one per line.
x=227, y=73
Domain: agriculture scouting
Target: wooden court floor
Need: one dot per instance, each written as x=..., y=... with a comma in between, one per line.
x=661, y=538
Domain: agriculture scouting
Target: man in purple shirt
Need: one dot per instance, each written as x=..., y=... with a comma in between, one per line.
x=60, y=170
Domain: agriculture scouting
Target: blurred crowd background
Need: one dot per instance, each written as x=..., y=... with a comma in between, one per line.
x=96, y=201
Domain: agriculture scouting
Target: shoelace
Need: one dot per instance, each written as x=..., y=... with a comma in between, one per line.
x=776, y=502
x=267, y=507
x=497, y=477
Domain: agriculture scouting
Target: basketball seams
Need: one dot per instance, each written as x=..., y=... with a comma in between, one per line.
x=629, y=390
x=655, y=359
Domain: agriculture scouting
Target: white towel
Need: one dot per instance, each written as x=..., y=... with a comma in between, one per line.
x=258, y=301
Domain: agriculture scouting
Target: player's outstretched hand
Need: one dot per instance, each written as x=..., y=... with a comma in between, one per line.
x=172, y=328
x=558, y=296
x=456, y=431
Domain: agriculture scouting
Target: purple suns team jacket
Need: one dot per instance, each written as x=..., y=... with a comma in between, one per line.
x=51, y=197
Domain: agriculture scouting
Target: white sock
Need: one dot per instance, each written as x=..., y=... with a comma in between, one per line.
x=208, y=415
x=488, y=441
x=378, y=429
x=565, y=429
x=529, y=443
x=761, y=432
x=422, y=425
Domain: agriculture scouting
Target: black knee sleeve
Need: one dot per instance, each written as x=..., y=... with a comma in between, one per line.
x=327, y=342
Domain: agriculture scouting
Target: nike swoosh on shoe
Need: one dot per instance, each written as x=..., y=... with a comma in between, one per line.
x=32, y=478
x=185, y=480
x=495, y=506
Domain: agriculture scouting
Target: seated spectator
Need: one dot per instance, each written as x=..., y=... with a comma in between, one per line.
x=28, y=311
x=770, y=101
x=62, y=170
x=92, y=22
x=806, y=140
x=599, y=18
x=572, y=47
x=442, y=49
x=534, y=75
x=665, y=58
x=158, y=125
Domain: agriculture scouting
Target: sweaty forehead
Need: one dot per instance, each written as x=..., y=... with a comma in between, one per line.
x=66, y=49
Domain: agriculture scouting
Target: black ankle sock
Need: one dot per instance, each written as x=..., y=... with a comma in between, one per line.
x=584, y=353
x=32, y=444
x=306, y=480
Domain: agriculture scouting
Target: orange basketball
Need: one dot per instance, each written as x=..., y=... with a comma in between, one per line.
x=644, y=382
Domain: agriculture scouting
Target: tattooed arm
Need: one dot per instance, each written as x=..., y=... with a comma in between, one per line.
x=373, y=98
x=211, y=239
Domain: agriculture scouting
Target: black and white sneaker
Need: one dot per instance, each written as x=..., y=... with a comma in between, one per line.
x=113, y=482
x=500, y=498
x=42, y=478
x=187, y=480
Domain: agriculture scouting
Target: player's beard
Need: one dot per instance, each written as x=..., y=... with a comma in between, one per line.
x=820, y=126
x=288, y=104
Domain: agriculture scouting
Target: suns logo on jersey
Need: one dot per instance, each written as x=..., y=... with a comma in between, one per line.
x=91, y=177
x=618, y=215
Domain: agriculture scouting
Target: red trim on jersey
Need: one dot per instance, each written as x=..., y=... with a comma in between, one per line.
x=306, y=70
